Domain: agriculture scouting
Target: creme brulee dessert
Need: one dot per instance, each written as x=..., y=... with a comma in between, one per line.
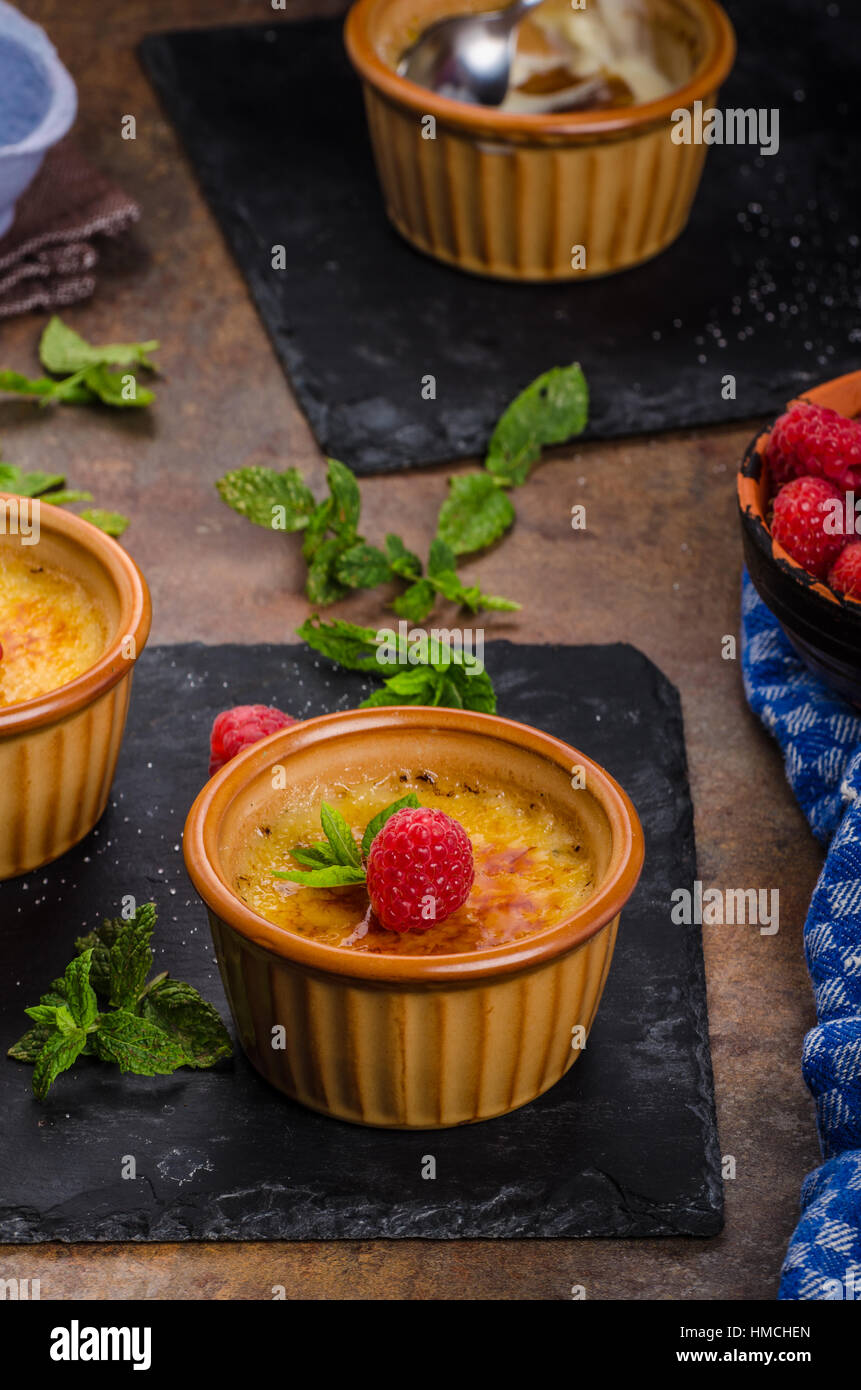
x=532, y=866
x=52, y=629
x=603, y=54
x=594, y=56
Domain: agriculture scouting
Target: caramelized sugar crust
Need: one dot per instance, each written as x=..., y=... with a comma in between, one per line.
x=533, y=867
x=52, y=629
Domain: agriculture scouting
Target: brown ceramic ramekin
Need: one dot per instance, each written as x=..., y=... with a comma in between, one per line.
x=509, y=195
x=823, y=626
x=58, y=752
x=411, y=1041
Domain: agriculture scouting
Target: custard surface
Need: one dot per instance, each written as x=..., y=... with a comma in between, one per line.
x=52, y=629
x=532, y=868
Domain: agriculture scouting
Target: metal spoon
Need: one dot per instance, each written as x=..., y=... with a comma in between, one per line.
x=467, y=57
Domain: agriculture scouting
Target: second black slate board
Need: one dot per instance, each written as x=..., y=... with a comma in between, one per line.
x=624, y=1145
x=763, y=285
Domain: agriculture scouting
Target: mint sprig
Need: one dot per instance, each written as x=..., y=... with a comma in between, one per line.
x=443, y=679
x=84, y=371
x=105, y=1006
x=474, y=515
x=341, y=859
x=50, y=487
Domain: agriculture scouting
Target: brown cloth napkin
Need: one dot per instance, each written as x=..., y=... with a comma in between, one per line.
x=48, y=255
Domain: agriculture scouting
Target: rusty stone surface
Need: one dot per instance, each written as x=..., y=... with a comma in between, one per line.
x=658, y=565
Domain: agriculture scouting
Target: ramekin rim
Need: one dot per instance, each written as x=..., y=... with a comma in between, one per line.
x=113, y=665
x=488, y=122
x=592, y=917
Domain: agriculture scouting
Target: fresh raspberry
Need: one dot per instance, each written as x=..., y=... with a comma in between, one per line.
x=801, y=511
x=845, y=573
x=237, y=728
x=813, y=440
x=420, y=869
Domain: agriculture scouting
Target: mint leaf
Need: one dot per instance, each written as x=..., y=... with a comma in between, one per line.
x=350, y=646
x=137, y=1045
x=131, y=957
x=80, y=995
x=14, y=479
x=317, y=528
x=105, y=935
x=374, y=826
x=43, y=1013
x=340, y=836
x=56, y=995
x=114, y=388
x=362, y=566
x=317, y=856
x=64, y=496
x=112, y=523
x=58, y=1053
x=347, y=503
x=468, y=689
x=62, y=350
x=420, y=686
x=441, y=558
x=186, y=1017
x=402, y=561
x=552, y=409
x=72, y=389
x=99, y=941
x=255, y=492
x=417, y=602
x=475, y=513
x=28, y=1047
x=335, y=876
x=64, y=1021
x=322, y=584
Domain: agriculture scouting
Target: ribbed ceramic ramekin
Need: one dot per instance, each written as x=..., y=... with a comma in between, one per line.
x=509, y=195
x=410, y=1041
x=58, y=752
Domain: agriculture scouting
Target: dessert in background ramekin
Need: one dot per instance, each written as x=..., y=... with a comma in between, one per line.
x=823, y=626
x=59, y=749
x=508, y=194
x=410, y=1040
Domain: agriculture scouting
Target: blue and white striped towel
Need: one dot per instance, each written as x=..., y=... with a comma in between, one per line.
x=820, y=737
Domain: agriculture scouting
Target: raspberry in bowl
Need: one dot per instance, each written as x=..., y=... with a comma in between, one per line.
x=441, y=971
x=797, y=491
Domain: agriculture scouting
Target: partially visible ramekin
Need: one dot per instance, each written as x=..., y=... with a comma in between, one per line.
x=58, y=753
x=509, y=195
x=823, y=626
x=402, y=1041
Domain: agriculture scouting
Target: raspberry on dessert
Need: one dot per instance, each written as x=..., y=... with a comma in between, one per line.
x=813, y=440
x=234, y=729
x=801, y=510
x=420, y=869
x=845, y=573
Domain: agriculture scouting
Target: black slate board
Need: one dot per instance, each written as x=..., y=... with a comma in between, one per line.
x=763, y=285
x=624, y=1145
